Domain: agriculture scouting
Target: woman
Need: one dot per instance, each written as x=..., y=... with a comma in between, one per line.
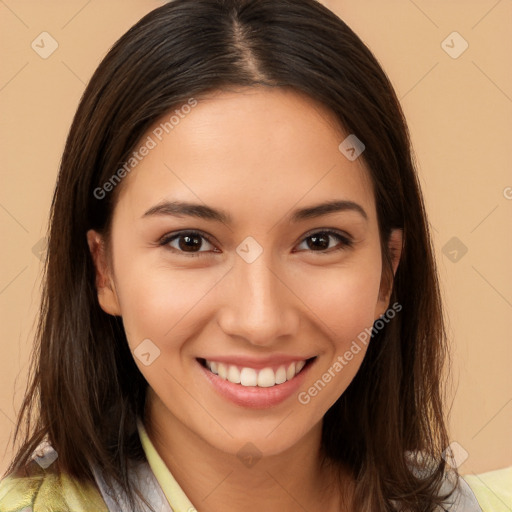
x=241, y=308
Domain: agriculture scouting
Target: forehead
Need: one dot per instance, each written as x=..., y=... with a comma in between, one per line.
x=246, y=149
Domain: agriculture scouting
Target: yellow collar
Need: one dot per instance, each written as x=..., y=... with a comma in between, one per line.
x=173, y=492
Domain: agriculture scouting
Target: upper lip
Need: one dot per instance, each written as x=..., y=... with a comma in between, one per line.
x=257, y=362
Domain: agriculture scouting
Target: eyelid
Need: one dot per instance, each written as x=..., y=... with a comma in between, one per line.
x=329, y=231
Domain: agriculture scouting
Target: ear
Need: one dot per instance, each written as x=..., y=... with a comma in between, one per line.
x=395, y=251
x=107, y=295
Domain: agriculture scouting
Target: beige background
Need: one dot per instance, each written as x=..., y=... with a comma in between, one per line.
x=460, y=115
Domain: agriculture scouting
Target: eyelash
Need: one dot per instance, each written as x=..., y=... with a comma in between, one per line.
x=345, y=240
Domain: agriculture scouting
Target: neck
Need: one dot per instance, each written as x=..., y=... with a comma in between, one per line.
x=216, y=481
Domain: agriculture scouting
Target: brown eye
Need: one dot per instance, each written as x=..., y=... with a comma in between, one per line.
x=321, y=241
x=187, y=242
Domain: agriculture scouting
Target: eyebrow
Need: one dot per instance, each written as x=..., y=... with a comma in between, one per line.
x=201, y=211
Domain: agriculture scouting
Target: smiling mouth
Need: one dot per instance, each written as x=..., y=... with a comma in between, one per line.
x=251, y=377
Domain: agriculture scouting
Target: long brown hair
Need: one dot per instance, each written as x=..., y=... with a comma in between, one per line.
x=85, y=390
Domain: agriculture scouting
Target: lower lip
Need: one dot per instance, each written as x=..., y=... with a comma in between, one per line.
x=253, y=396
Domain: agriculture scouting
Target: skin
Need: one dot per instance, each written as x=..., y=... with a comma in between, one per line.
x=259, y=154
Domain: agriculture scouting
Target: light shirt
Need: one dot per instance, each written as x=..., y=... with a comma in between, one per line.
x=177, y=499
x=463, y=500
x=41, y=489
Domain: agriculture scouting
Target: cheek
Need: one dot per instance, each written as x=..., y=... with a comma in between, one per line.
x=344, y=299
x=162, y=308
x=157, y=302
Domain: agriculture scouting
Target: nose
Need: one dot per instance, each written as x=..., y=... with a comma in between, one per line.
x=258, y=304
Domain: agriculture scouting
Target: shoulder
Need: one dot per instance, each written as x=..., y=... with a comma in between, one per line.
x=493, y=489
x=460, y=496
x=39, y=488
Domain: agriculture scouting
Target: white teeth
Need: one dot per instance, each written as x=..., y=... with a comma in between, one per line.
x=248, y=377
x=290, y=373
x=281, y=375
x=222, y=371
x=234, y=374
x=299, y=366
x=264, y=378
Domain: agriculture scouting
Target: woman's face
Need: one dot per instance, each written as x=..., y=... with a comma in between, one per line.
x=253, y=280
